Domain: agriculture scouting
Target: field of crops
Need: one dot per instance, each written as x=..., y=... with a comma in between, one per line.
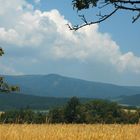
x=69, y=132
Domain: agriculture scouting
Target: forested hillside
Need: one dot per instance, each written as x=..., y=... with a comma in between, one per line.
x=53, y=85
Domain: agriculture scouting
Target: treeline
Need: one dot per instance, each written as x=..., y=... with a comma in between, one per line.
x=23, y=116
x=95, y=111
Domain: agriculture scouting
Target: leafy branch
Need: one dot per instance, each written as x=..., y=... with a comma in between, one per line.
x=102, y=5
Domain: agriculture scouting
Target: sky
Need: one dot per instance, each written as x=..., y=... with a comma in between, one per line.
x=36, y=40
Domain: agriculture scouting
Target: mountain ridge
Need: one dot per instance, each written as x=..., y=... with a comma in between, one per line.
x=54, y=85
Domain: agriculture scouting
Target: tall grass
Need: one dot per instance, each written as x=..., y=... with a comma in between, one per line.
x=69, y=132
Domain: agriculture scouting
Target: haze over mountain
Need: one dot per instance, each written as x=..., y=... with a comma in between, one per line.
x=54, y=85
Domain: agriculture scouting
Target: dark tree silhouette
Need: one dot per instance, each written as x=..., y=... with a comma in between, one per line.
x=71, y=110
x=106, y=9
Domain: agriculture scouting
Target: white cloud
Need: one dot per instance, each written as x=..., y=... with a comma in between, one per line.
x=129, y=62
x=46, y=34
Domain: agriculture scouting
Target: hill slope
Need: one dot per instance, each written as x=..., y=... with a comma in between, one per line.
x=59, y=86
x=133, y=100
x=10, y=101
x=17, y=101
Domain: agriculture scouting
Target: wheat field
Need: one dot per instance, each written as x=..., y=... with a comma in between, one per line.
x=69, y=132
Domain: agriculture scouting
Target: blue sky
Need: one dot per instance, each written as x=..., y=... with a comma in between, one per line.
x=128, y=38
x=37, y=41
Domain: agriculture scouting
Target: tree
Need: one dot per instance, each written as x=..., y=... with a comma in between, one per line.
x=56, y=115
x=4, y=87
x=102, y=111
x=71, y=112
x=108, y=7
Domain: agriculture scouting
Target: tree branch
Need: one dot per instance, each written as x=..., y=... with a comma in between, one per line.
x=136, y=18
x=127, y=8
x=93, y=22
x=127, y=2
x=126, y=5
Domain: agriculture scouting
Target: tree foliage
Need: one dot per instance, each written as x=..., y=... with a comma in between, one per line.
x=71, y=110
x=96, y=111
x=106, y=8
x=1, y=52
x=23, y=116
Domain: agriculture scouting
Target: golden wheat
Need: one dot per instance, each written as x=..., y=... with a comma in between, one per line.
x=69, y=132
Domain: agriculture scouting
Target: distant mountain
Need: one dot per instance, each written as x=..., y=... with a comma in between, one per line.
x=134, y=88
x=133, y=100
x=53, y=85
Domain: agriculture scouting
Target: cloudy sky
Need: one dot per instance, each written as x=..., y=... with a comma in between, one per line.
x=36, y=40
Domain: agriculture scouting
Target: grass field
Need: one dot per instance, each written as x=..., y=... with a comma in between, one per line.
x=69, y=132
